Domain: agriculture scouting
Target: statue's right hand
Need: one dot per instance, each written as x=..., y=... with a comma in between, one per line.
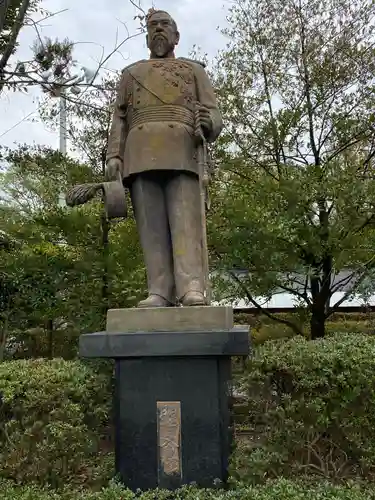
x=113, y=169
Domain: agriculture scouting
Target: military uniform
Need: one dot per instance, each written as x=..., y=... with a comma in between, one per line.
x=153, y=133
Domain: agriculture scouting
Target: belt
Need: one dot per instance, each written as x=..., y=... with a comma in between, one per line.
x=168, y=112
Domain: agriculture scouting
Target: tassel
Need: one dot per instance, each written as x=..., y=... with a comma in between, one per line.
x=82, y=193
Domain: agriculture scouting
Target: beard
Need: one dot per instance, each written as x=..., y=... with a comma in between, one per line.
x=160, y=45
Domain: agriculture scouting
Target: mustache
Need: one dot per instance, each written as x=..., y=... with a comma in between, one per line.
x=159, y=34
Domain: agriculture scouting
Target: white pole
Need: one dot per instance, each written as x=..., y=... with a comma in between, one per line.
x=63, y=133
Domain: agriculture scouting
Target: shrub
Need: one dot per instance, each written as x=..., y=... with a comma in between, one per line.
x=278, y=490
x=264, y=328
x=349, y=325
x=52, y=417
x=311, y=409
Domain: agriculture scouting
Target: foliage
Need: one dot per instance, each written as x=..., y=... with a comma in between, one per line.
x=54, y=55
x=51, y=65
x=12, y=18
x=293, y=203
x=53, y=415
x=41, y=270
x=53, y=275
x=8, y=17
x=311, y=409
x=88, y=127
x=278, y=490
x=89, y=122
x=14, y=15
x=263, y=328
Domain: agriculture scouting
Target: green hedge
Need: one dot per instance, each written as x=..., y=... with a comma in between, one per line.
x=52, y=419
x=264, y=328
x=311, y=409
x=278, y=490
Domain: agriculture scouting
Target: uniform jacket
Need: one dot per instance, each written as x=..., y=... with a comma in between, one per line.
x=154, y=119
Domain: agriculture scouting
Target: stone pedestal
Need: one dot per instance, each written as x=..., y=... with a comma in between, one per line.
x=172, y=394
x=170, y=319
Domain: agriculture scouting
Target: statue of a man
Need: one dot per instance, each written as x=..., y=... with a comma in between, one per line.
x=161, y=102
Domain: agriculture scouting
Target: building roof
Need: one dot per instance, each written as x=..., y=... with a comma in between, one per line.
x=281, y=300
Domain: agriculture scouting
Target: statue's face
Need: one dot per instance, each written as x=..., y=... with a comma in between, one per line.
x=162, y=36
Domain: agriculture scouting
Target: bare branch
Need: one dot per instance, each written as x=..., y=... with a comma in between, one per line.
x=292, y=291
x=348, y=144
x=365, y=223
x=357, y=138
x=80, y=102
x=30, y=22
x=251, y=299
x=254, y=158
x=53, y=14
x=324, y=121
x=138, y=6
x=362, y=275
x=307, y=83
x=275, y=134
x=343, y=282
x=116, y=49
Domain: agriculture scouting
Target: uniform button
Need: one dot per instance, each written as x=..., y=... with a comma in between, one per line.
x=170, y=125
x=140, y=127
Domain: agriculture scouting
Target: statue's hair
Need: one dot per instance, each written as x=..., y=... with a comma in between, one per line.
x=153, y=11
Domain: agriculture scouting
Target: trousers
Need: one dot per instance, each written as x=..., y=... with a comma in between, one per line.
x=166, y=206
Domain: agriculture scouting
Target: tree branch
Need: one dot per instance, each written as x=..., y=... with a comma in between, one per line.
x=275, y=134
x=250, y=298
x=4, y=6
x=351, y=142
x=365, y=223
x=138, y=6
x=360, y=279
x=343, y=282
x=301, y=295
x=306, y=79
x=13, y=38
x=246, y=154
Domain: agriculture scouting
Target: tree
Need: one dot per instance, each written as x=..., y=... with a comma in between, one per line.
x=88, y=127
x=89, y=131
x=52, y=60
x=14, y=15
x=12, y=18
x=294, y=203
x=48, y=277
x=63, y=271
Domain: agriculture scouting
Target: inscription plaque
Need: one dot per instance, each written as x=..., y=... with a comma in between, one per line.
x=169, y=438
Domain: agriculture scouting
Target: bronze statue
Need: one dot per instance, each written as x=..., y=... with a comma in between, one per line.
x=164, y=114
x=153, y=144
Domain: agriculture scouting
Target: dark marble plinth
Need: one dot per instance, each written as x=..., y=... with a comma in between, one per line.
x=172, y=404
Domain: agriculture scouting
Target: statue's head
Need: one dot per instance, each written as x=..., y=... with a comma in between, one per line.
x=162, y=33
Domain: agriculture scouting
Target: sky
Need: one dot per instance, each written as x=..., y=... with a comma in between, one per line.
x=95, y=25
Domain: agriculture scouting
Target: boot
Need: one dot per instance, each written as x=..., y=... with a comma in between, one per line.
x=154, y=300
x=193, y=298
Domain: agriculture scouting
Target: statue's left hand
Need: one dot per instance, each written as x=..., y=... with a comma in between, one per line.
x=113, y=169
x=205, y=119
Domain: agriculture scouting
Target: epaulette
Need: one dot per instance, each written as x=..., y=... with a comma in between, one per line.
x=193, y=61
x=187, y=59
x=133, y=64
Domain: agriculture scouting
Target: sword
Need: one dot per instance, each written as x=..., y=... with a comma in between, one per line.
x=203, y=185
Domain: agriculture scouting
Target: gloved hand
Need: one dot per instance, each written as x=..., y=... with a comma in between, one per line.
x=113, y=169
x=205, y=120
